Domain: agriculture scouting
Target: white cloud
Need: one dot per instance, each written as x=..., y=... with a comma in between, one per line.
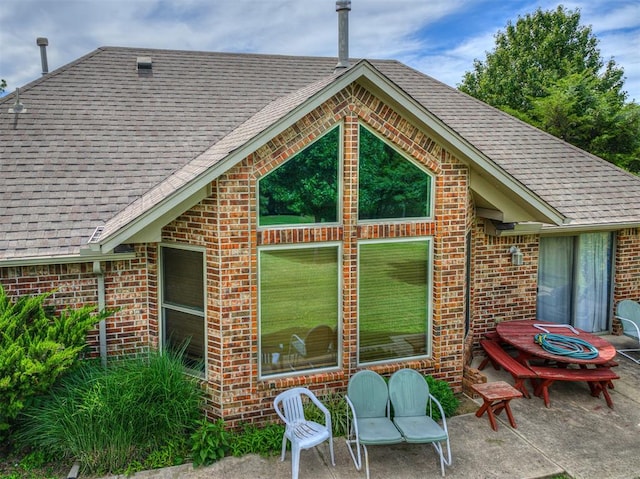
x=414, y=31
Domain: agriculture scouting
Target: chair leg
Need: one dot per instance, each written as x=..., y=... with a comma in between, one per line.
x=295, y=462
x=333, y=460
x=628, y=356
x=366, y=460
x=284, y=447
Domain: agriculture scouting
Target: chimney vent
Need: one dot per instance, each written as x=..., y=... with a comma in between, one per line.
x=43, y=43
x=343, y=7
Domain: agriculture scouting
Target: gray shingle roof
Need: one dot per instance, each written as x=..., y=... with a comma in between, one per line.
x=97, y=137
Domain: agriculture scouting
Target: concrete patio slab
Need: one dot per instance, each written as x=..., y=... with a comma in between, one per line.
x=577, y=434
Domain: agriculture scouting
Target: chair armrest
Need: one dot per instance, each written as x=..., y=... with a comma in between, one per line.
x=325, y=411
x=632, y=323
x=353, y=416
x=433, y=400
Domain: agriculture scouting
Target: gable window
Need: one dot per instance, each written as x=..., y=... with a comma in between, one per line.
x=299, y=308
x=305, y=188
x=394, y=284
x=574, y=280
x=390, y=185
x=183, y=303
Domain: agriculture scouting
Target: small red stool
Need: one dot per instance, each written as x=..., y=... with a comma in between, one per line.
x=496, y=397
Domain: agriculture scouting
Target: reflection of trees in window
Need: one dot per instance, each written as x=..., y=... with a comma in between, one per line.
x=305, y=188
x=390, y=185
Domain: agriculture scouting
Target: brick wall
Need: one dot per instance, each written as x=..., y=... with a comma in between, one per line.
x=627, y=261
x=502, y=291
x=76, y=285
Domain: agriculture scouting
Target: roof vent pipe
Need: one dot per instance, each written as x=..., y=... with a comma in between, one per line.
x=343, y=7
x=42, y=43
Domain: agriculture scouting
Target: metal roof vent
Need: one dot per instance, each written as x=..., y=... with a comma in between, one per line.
x=144, y=65
x=42, y=42
x=343, y=7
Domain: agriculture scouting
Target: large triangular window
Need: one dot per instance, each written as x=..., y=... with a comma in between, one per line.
x=305, y=188
x=391, y=185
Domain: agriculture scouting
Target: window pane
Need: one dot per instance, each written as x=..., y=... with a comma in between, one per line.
x=390, y=185
x=298, y=308
x=393, y=299
x=183, y=282
x=184, y=330
x=183, y=303
x=305, y=188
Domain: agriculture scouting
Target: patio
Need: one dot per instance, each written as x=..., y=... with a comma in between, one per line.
x=578, y=434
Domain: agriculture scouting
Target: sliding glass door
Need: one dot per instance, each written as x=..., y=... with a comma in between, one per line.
x=574, y=280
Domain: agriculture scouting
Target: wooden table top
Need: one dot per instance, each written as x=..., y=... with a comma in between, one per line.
x=520, y=335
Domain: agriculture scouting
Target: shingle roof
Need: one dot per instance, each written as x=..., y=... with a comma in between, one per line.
x=98, y=136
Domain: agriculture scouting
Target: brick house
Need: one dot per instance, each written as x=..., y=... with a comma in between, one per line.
x=294, y=224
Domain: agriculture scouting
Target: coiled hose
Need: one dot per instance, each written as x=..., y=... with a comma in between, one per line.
x=568, y=346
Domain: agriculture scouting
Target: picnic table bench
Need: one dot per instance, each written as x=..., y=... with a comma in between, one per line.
x=597, y=378
x=542, y=377
x=501, y=358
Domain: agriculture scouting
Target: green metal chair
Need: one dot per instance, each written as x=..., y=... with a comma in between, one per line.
x=368, y=418
x=628, y=312
x=410, y=398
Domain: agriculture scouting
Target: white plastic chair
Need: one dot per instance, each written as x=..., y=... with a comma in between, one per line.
x=628, y=312
x=302, y=433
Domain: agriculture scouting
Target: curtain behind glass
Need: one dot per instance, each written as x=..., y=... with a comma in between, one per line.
x=555, y=277
x=592, y=281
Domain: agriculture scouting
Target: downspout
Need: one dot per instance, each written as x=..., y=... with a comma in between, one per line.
x=102, y=327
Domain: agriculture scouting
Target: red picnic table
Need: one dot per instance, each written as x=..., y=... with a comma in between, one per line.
x=520, y=334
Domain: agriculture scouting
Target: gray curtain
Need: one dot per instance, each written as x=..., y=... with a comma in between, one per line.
x=574, y=280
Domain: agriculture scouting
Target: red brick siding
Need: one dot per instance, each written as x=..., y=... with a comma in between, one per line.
x=76, y=285
x=502, y=291
x=627, y=260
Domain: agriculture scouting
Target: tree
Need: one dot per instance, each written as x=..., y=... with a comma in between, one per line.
x=547, y=70
x=3, y=85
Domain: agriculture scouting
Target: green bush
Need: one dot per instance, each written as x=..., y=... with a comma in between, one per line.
x=444, y=394
x=209, y=443
x=35, y=349
x=111, y=418
x=265, y=440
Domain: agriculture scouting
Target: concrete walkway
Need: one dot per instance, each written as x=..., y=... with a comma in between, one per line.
x=578, y=435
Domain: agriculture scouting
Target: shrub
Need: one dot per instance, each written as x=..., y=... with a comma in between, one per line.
x=265, y=440
x=110, y=418
x=35, y=349
x=443, y=393
x=209, y=443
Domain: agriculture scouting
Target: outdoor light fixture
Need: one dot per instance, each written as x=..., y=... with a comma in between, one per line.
x=517, y=258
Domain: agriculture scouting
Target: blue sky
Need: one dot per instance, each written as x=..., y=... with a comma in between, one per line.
x=438, y=37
